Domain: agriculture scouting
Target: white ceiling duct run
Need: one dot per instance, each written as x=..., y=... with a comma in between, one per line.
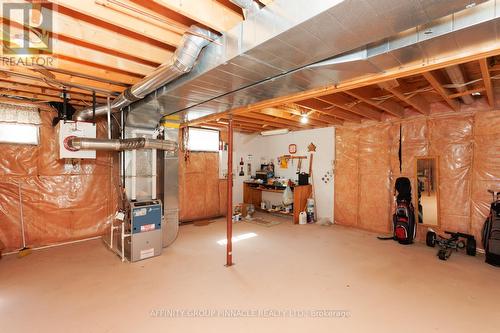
x=269, y=54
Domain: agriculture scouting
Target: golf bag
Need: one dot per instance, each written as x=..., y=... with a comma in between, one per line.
x=404, y=226
x=491, y=233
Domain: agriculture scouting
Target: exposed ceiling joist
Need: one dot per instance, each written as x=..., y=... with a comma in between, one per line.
x=62, y=80
x=348, y=104
x=91, y=8
x=209, y=12
x=468, y=92
x=416, y=101
x=6, y=85
x=282, y=114
x=271, y=120
x=38, y=96
x=429, y=76
x=387, y=105
x=42, y=106
x=488, y=85
x=43, y=85
x=328, y=109
x=457, y=77
x=67, y=27
x=99, y=73
x=315, y=114
x=86, y=55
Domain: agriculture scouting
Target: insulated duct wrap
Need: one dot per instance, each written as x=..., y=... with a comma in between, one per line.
x=367, y=165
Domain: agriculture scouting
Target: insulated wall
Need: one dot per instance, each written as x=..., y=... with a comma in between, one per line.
x=60, y=201
x=468, y=149
x=199, y=186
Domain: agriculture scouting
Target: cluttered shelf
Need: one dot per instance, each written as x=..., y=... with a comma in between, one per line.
x=252, y=194
x=273, y=211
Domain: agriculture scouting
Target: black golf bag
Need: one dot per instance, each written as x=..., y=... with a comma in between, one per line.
x=491, y=232
x=404, y=226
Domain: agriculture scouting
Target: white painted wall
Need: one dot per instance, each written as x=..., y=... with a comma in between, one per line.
x=266, y=148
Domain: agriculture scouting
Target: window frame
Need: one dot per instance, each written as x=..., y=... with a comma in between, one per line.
x=10, y=137
x=206, y=130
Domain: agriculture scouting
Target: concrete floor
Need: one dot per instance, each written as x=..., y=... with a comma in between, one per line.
x=385, y=287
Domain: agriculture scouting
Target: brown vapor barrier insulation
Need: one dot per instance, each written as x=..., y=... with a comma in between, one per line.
x=199, y=186
x=468, y=150
x=60, y=202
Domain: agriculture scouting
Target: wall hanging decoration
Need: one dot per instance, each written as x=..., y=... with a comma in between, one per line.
x=328, y=177
x=292, y=149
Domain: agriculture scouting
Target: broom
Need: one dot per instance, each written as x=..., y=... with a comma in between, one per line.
x=313, y=194
x=25, y=250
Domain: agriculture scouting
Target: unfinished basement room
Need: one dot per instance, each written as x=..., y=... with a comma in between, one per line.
x=250, y=166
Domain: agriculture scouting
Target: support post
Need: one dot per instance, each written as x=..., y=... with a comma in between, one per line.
x=229, y=215
x=109, y=117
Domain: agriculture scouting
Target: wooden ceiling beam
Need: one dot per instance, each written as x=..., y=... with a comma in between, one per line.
x=348, y=104
x=208, y=12
x=235, y=126
x=98, y=73
x=328, y=109
x=42, y=85
x=72, y=29
x=62, y=79
x=5, y=85
x=284, y=114
x=457, y=77
x=231, y=6
x=436, y=85
x=91, y=8
x=416, y=101
x=388, y=105
x=488, y=85
x=41, y=106
x=36, y=96
x=258, y=125
x=320, y=118
x=467, y=92
x=69, y=50
x=272, y=120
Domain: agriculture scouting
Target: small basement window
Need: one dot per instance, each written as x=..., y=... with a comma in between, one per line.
x=19, y=124
x=200, y=139
x=19, y=133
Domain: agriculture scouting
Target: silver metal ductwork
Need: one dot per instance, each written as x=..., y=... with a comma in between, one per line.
x=288, y=47
x=121, y=144
x=250, y=7
x=181, y=63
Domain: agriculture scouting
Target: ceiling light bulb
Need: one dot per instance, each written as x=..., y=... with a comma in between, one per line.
x=304, y=119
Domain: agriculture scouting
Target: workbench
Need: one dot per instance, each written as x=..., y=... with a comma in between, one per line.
x=252, y=194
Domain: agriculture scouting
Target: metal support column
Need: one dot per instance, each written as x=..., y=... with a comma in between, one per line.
x=229, y=221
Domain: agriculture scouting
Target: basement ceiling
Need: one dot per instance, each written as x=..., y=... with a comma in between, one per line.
x=108, y=45
x=425, y=93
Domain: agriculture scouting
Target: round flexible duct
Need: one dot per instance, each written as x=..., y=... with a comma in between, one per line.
x=181, y=63
x=75, y=143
